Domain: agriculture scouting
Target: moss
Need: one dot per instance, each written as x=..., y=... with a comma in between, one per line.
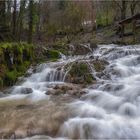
x=80, y=73
x=53, y=59
x=22, y=54
x=10, y=78
x=1, y=82
x=5, y=45
x=78, y=69
x=27, y=63
x=99, y=65
x=1, y=56
x=28, y=52
x=3, y=70
x=53, y=54
x=23, y=67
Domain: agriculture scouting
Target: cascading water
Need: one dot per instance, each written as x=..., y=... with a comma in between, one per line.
x=110, y=110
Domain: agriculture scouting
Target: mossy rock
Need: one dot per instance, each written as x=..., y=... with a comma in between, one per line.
x=80, y=49
x=1, y=56
x=10, y=78
x=23, y=67
x=15, y=58
x=99, y=65
x=80, y=74
x=53, y=54
x=28, y=51
x=3, y=70
x=1, y=82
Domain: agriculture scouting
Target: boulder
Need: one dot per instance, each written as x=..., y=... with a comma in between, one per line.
x=80, y=73
x=2, y=94
x=26, y=90
x=93, y=45
x=80, y=49
x=66, y=89
x=99, y=65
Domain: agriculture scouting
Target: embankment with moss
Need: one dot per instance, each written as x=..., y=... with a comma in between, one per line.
x=15, y=58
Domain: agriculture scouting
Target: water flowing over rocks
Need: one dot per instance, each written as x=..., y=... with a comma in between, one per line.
x=51, y=104
x=66, y=89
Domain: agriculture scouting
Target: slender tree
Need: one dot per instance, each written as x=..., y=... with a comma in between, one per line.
x=20, y=18
x=14, y=17
x=123, y=6
x=30, y=36
x=38, y=25
x=133, y=5
x=2, y=12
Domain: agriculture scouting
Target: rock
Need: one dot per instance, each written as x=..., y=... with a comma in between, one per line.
x=59, y=68
x=26, y=90
x=23, y=106
x=55, y=92
x=53, y=54
x=112, y=87
x=81, y=49
x=91, y=57
x=99, y=65
x=29, y=72
x=2, y=94
x=66, y=89
x=93, y=45
x=79, y=73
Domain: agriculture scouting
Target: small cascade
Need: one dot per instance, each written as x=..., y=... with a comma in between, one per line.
x=63, y=57
x=87, y=46
x=56, y=75
x=92, y=69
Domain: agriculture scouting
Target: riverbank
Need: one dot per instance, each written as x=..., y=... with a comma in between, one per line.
x=103, y=35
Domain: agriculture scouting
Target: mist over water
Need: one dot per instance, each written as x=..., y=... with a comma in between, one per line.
x=111, y=110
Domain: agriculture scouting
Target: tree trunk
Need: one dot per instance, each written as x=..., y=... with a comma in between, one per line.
x=2, y=13
x=93, y=17
x=38, y=26
x=107, y=12
x=14, y=17
x=30, y=36
x=134, y=31
x=20, y=18
x=123, y=16
x=9, y=5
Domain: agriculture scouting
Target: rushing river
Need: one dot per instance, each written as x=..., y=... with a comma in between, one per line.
x=109, y=110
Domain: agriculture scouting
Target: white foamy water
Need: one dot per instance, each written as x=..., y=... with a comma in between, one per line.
x=109, y=111
x=112, y=111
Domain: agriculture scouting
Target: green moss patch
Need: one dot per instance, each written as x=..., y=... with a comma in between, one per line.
x=10, y=78
x=80, y=74
x=15, y=58
x=53, y=54
x=99, y=65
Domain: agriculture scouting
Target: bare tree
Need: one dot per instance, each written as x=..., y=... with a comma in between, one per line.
x=20, y=18
x=2, y=12
x=14, y=17
x=30, y=36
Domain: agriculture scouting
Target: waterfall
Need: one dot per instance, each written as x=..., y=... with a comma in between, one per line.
x=110, y=110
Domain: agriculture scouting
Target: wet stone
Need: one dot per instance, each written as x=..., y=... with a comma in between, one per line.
x=25, y=107
x=26, y=90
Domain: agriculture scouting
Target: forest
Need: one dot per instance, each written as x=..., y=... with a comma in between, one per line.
x=69, y=69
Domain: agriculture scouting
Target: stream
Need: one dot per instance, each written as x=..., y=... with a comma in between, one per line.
x=110, y=109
